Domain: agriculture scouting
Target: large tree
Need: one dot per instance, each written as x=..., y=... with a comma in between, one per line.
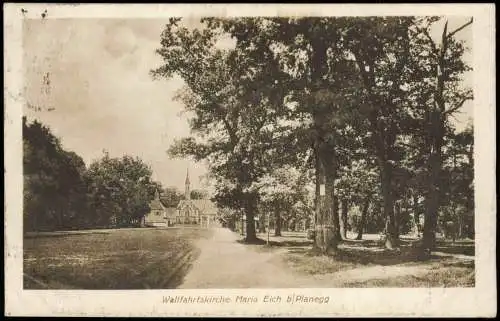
x=442, y=94
x=54, y=189
x=380, y=47
x=312, y=78
x=228, y=94
x=120, y=190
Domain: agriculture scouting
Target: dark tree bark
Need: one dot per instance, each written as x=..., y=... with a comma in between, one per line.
x=397, y=217
x=432, y=199
x=328, y=232
x=335, y=207
x=343, y=219
x=327, y=228
x=460, y=225
x=317, y=198
x=391, y=237
x=250, y=211
x=251, y=235
x=362, y=221
x=416, y=215
x=277, y=224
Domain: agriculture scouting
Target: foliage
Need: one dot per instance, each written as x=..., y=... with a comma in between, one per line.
x=54, y=189
x=232, y=123
x=457, y=180
x=171, y=196
x=349, y=89
x=286, y=193
x=120, y=190
x=198, y=194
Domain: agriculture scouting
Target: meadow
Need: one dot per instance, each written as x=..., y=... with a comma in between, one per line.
x=135, y=258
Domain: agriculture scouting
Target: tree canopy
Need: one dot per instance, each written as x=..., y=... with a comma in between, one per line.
x=357, y=99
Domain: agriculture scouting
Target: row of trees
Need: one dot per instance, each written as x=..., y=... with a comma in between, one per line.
x=364, y=103
x=60, y=192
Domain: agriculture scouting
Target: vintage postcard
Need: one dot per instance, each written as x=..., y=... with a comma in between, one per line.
x=250, y=160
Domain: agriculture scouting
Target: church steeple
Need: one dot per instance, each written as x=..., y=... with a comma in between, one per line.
x=187, y=193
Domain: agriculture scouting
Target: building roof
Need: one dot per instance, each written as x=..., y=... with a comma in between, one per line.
x=156, y=204
x=205, y=206
x=167, y=202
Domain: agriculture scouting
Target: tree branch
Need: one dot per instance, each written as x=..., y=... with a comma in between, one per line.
x=230, y=130
x=459, y=28
x=428, y=36
x=457, y=106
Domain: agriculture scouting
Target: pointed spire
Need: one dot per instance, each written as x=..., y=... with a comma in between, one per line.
x=187, y=193
x=187, y=176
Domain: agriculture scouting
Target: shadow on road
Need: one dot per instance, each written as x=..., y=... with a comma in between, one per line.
x=367, y=252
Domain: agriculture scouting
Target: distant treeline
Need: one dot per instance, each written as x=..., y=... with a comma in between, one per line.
x=60, y=192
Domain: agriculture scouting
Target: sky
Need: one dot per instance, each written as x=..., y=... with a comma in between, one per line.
x=102, y=94
x=103, y=97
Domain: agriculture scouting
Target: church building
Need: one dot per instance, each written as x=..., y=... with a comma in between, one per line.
x=160, y=214
x=201, y=211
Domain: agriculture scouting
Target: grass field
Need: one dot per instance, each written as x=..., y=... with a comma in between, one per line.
x=365, y=263
x=110, y=259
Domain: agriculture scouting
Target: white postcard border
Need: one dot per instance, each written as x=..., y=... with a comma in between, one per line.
x=478, y=301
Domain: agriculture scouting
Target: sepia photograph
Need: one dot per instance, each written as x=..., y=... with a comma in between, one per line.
x=199, y=152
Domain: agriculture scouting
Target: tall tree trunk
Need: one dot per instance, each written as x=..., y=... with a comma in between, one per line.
x=461, y=225
x=362, y=221
x=391, y=237
x=60, y=219
x=343, y=219
x=277, y=224
x=335, y=207
x=416, y=214
x=432, y=200
x=327, y=227
x=250, y=211
x=397, y=217
x=317, y=198
x=251, y=235
x=406, y=212
x=327, y=232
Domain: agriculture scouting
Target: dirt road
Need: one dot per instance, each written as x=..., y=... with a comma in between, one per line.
x=225, y=263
